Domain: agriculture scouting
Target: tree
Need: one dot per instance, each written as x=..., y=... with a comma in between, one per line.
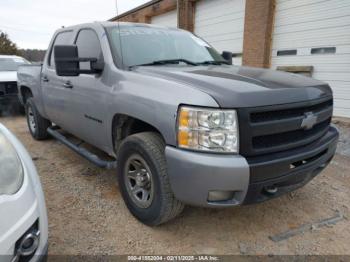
x=33, y=55
x=7, y=47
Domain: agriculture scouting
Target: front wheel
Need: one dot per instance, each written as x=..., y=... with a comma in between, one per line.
x=36, y=123
x=143, y=179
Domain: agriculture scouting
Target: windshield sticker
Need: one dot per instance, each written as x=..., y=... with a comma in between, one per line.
x=199, y=41
x=129, y=32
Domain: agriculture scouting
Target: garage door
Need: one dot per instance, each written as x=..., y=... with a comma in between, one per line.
x=316, y=33
x=221, y=23
x=167, y=19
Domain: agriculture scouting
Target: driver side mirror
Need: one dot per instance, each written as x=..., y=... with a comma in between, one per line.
x=227, y=56
x=67, y=62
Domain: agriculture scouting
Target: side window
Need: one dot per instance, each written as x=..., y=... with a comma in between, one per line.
x=88, y=46
x=63, y=38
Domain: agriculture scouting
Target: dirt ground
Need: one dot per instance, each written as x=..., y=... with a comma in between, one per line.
x=87, y=214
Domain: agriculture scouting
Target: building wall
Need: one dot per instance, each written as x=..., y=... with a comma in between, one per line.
x=144, y=13
x=167, y=19
x=221, y=24
x=259, y=19
x=316, y=34
x=270, y=26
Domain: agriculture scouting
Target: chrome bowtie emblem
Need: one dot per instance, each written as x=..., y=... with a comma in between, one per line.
x=309, y=120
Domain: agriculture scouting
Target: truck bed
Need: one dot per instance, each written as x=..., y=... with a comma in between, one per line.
x=29, y=76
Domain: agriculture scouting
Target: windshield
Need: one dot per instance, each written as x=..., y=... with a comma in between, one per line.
x=11, y=64
x=145, y=45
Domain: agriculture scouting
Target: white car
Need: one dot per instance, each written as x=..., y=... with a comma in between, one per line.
x=23, y=217
x=8, y=82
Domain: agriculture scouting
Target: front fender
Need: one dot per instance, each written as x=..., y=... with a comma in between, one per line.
x=154, y=101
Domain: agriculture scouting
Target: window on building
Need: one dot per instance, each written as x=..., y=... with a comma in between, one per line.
x=323, y=50
x=286, y=52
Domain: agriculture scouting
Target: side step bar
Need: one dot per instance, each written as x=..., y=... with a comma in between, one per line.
x=82, y=151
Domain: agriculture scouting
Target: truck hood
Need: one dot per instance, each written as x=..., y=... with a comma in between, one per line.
x=233, y=86
x=8, y=76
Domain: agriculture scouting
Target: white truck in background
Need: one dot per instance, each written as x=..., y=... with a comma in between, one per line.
x=8, y=82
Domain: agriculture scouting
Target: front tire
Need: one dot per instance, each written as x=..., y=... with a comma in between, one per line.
x=36, y=123
x=143, y=179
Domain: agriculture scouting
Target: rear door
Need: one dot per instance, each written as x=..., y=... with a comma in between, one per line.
x=53, y=90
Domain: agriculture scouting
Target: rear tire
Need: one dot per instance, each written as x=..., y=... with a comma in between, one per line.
x=142, y=156
x=36, y=123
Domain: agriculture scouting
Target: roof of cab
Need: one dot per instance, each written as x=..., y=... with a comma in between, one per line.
x=107, y=24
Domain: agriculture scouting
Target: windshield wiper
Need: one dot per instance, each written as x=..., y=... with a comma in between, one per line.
x=213, y=63
x=168, y=61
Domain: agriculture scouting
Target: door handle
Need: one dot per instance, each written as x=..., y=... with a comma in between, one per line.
x=45, y=79
x=68, y=84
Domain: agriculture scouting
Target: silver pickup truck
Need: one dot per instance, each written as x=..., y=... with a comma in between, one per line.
x=177, y=120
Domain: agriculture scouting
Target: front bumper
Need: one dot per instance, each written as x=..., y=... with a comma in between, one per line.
x=19, y=212
x=194, y=175
x=9, y=102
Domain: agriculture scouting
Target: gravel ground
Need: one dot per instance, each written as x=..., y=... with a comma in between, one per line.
x=87, y=214
x=343, y=125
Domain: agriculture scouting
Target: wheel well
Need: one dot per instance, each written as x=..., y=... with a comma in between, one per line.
x=124, y=126
x=26, y=93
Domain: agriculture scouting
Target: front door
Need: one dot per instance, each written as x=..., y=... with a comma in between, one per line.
x=88, y=94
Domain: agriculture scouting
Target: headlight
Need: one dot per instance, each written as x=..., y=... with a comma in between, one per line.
x=207, y=129
x=11, y=170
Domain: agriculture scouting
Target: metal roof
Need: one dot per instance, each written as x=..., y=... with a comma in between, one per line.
x=135, y=9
